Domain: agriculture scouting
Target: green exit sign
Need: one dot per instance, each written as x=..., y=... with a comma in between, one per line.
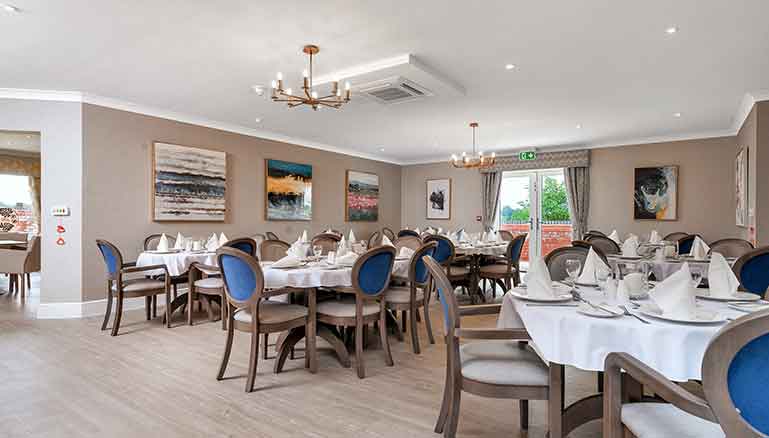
x=527, y=156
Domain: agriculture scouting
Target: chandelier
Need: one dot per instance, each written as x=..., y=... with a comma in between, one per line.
x=474, y=160
x=308, y=96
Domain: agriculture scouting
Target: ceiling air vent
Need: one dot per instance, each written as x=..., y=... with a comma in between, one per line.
x=393, y=90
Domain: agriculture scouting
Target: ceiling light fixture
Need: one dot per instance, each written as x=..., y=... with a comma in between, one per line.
x=311, y=97
x=381, y=149
x=10, y=8
x=676, y=115
x=509, y=66
x=258, y=120
x=579, y=126
x=671, y=30
x=473, y=161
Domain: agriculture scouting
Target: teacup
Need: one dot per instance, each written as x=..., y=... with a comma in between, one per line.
x=634, y=283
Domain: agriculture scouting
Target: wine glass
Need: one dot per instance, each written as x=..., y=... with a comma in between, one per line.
x=601, y=277
x=696, y=273
x=317, y=251
x=572, y=270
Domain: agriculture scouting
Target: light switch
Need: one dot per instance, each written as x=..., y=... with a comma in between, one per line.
x=60, y=211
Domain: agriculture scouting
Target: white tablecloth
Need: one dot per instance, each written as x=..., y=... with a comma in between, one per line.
x=481, y=250
x=317, y=275
x=177, y=263
x=564, y=336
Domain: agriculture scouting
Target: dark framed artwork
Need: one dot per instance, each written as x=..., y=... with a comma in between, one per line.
x=438, y=198
x=288, y=191
x=361, y=196
x=655, y=193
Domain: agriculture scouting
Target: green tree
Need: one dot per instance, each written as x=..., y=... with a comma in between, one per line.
x=555, y=205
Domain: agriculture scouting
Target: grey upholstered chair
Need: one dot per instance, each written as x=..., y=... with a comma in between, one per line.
x=151, y=241
x=731, y=247
x=411, y=242
x=735, y=402
x=327, y=241
x=374, y=240
x=606, y=245
x=506, y=235
x=19, y=263
x=556, y=260
x=675, y=237
x=273, y=250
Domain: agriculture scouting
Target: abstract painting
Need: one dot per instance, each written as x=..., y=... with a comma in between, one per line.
x=656, y=193
x=439, y=198
x=741, y=187
x=289, y=191
x=189, y=184
x=362, y=196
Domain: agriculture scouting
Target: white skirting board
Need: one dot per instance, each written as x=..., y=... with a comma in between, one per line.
x=90, y=308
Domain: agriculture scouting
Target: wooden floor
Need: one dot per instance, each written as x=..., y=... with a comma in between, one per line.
x=66, y=378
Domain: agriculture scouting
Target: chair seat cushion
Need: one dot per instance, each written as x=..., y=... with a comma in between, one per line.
x=345, y=308
x=140, y=285
x=495, y=269
x=663, y=420
x=502, y=363
x=401, y=295
x=271, y=312
x=459, y=271
x=210, y=283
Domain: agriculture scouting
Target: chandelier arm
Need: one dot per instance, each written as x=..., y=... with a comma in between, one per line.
x=329, y=105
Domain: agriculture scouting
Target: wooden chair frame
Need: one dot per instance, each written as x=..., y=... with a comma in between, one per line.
x=456, y=279
x=728, y=241
x=328, y=241
x=566, y=249
x=408, y=241
x=271, y=236
x=737, y=267
x=406, y=232
x=374, y=240
x=598, y=242
x=267, y=246
x=513, y=267
x=389, y=233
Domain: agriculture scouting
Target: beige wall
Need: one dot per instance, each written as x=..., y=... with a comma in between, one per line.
x=746, y=137
x=117, y=185
x=465, y=196
x=758, y=176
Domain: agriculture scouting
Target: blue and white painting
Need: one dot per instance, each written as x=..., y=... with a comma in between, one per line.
x=656, y=193
x=189, y=184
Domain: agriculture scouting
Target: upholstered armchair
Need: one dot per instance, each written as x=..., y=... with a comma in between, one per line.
x=18, y=263
x=508, y=273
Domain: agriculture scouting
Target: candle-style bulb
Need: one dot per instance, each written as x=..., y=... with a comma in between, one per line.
x=347, y=86
x=280, y=76
x=305, y=73
x=274, y=84
x=288, y=91
x=314, y=94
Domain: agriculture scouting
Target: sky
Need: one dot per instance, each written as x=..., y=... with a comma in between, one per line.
x=13, y=189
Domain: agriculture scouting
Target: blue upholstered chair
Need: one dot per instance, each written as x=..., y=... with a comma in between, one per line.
x=507, y=272
x=414, y=295
x=752, y=269
x=121, y=286
x=407, y=232
x=363, y=302
x=735, y=370
x=248, y=312
x=685, y=243
x=445, y=255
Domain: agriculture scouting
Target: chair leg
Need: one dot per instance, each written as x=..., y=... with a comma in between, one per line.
x=383, y=335
x=253, y=359
x=445, y=404
x=524, y=408
x=20, y=281
x=190, y=300
x=29, y=280
x=168, y=308
x=154, y=306
x=118, y=314
x=453, y=415
x=414, y=332
x=227, y=345
x=147, y=306
x=428, y=324
x=109, y=307
x=419, y=316
x=223, y=311
x=403, y=321
x=265, y=339
x=359, y=349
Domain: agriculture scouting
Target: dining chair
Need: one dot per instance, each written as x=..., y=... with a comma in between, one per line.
x=374, y=240
x=606, y=245
x=410, y=242
x=445, y=255
x=271, y=236
x=120, y=287
x=363, y=302
x=499, y=364
x=752, y=271
x=505, y=235
x=596, y=233
x=415, y=295
x=273, y=250
x=675, y=236
x=19, y=263
x=150, y=243
x=508, y=272
x=731, y=247
x=556, y=260
x=734, y=405
x=580, y=243
x=389, y=233
x=328, y=241
x=205, y=281
x=248, y=312
x=407, y=232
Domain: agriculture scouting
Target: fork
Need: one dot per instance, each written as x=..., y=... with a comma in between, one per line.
x=627, y=312
x=577, y=296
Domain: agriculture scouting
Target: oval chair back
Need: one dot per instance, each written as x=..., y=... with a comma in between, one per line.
x=242, y=276
x=752, y=270
x=580, y=243
x=389, y=233
x=151, y=242
x=556, y=260
x=273, y=250
x=245, y=244
x=685, y=244
x=406, y=232
x=446, y=297
x=328, y=241
x=374, y=240
x=675, y=237
x=596, y=233
x=371, y=271
x=606, y=245
x=112, y=258
x=506, y=235
x=734, y=366
x=418, y=273
x=731, y=247
x=444, y=251
x=515, y=249
x=271, y=236
x=408, y=242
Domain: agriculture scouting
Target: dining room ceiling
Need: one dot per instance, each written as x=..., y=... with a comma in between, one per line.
x=580, y=74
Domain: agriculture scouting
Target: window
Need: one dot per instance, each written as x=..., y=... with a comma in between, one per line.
x=14, y=194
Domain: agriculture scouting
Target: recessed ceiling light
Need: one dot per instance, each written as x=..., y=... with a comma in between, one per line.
x=671, y=30
x=258, y=120
x=10, y=8
x=258, y=89
x=676, y=114
x=509, y=66
x=579, y=126
x=381, y=149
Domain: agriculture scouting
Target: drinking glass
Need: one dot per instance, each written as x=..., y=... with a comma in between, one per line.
x=317, y=250
x=601, y=277
x=572, y=270
x=696, y=272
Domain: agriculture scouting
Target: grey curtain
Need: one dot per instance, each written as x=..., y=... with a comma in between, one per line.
x=491, y=182
x=578, y=191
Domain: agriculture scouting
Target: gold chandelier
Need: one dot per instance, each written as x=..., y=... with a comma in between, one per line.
x=474, y=160
x=310, y=97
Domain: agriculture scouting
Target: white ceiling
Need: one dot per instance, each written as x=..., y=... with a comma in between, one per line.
x=607, y=65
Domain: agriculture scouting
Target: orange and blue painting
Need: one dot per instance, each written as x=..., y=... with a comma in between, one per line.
x=656, y=193
x=289, y=191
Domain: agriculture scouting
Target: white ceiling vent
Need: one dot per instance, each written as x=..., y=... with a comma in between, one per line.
x=393, y=90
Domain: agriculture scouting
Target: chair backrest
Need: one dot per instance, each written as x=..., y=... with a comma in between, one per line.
x=675, y=237
x=752, y=270
x=445, y=295
x=596, y=233
x=685, y=244
x=112, y=258
x=32, y=262
x=580, y=243
x=407, y=232
x=606, y=245
x=734, y=376
x=242, y=275
x=328, y=241
x=271, y=236
x=245, y=244
x=408, y=242
x=151, y=242
x=556, y=260
x=515, y=249
x=273, y=250
x=389, y=233
x=731, y=247
x=444, y=252
x=418, y=273
x=506, y=235
x=371, y=271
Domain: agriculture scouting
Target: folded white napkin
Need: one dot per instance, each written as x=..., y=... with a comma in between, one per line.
x=699, y=249
x=439, y=230
x=342, y=247
x=630, y=247
x=592, y=262
x=351, y=238
x=538, y=281
x=453, y=237
x=615, y=237
x=463, y=237
x=329, y=231
x=429, y=230
x=492, y=237
x=223, y=239
x=417, y=230
x=721, y=278
x=654, y=237
x=482, y=237
x=386, y=241
x=180, y=241
x=298, y=249
x=406, y=252
x=347, y=259
x=288, y=261
x=303, y=237
x=676, y=295
x=213, y=243
x=163, y=243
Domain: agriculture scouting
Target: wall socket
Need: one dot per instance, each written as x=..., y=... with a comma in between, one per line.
x=60, y=211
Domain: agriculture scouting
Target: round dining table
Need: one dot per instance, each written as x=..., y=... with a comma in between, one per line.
x=562, y=336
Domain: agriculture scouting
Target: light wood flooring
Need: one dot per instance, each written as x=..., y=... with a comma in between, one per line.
x=66, y=378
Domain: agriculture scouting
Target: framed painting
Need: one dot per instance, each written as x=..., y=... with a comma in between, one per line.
x=188, y=184
x=438, y=198
x=288, y=188
x=361, y=196
x=655, y=193
x=741, y=187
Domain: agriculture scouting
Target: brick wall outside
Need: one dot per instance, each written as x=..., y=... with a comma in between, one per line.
x=553, y=236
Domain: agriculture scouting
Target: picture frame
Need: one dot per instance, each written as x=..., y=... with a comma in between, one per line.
x=361, y=196
x=655, y=193
x=287, y=191
x=438, y=201
x=741, y=170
